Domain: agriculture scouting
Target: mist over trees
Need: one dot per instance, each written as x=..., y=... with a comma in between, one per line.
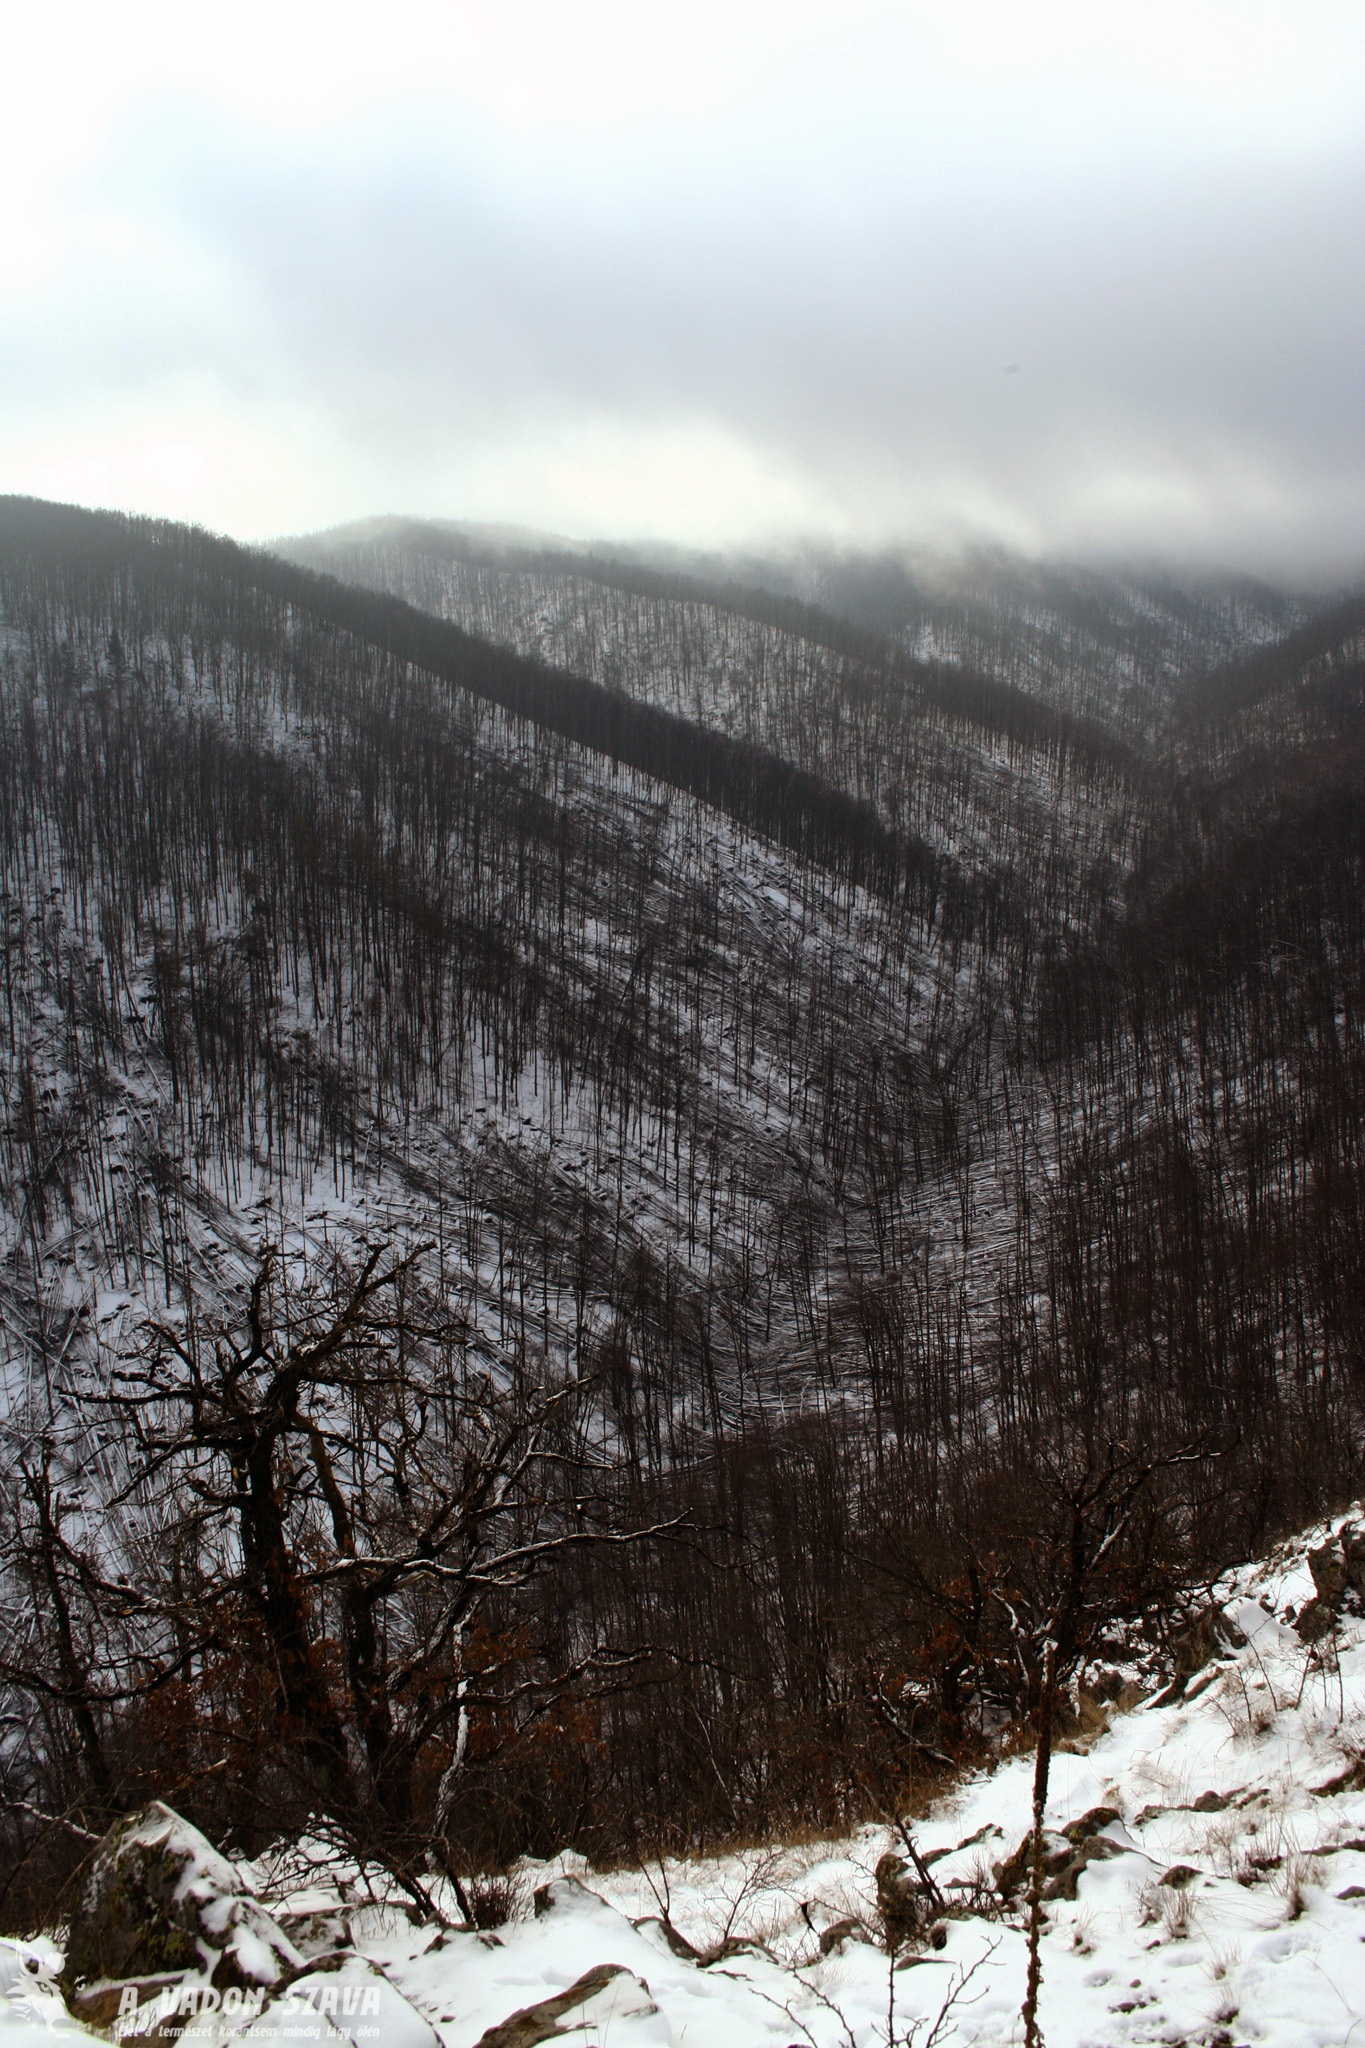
x=567, y=1202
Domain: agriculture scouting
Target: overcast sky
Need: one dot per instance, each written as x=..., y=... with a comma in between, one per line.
x=1075, y=279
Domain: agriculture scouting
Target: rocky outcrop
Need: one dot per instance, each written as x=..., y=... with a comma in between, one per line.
x=160, y=1903
x=1066, y=1853
x=1338, y=1568
x=350, y=1995
x=600, y=1999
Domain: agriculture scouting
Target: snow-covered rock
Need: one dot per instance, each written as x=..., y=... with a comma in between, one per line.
x=346, y=2002
x=1206, y=1885
x=605, y=1999
x=160, y=1903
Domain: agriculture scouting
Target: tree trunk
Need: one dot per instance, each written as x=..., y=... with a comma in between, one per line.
x=1042, y=1766
x=315, y=1728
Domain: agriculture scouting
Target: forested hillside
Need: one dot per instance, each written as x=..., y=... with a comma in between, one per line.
x=1117, y=649
x=958, y=756
x=587, y=1160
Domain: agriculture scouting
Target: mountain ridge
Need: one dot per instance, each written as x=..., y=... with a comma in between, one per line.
x=852, y=1103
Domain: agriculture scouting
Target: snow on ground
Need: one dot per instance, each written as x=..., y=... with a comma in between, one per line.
x=1229, y=1910
x=972, y=795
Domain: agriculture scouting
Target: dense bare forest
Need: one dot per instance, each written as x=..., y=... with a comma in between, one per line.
x=599, y=1171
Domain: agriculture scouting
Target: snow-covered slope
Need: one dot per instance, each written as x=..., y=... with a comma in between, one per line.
x=299, y=940
x=1223, y=1903
x=1233, y=1910
x=1118, y=647
x=841, y=1185
x=949, y=750
x=639, y=1031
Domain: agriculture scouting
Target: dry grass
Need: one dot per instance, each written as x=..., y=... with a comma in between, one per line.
x=1177, y=1915
x=1300, y=1874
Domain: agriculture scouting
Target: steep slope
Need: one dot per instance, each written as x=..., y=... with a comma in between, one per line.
x=295, y=929
x=1208, y=1887
x=956, y=755
x=852, y=1167
x=1224, y=1905
x=1170, y=1027
x=1118, y=650
x=321, y=908
x=316, y=939
x=1121, y=648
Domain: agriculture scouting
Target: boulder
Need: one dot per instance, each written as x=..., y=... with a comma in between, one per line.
x=1057, y=1853
x=1065, y=1855
x=1338, y=1569
x=601, y=2000
x=343, y=2001
x=345, y=1995
x=159, y=1902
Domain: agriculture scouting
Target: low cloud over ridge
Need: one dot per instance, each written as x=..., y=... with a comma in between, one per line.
x=859, y=277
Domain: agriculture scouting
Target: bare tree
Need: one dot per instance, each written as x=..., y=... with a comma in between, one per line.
x=1086, y=1576
x=336, y=1498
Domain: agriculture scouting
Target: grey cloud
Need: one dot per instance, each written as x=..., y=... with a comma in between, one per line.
x=1170, y=326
